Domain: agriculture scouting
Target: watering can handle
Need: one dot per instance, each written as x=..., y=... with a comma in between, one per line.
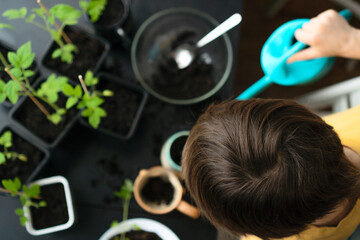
x=299, y=45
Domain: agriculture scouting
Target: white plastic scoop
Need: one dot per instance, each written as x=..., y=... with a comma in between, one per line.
x=185, y=54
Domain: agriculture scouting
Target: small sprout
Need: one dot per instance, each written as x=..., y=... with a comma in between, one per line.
x=6, y=143
x=90, y=101
x=27, y=196
x=125, y=193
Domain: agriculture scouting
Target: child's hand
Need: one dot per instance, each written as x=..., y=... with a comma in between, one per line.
x=328, y=34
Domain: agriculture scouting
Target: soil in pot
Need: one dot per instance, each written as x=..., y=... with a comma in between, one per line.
x=55, y=213
x=90, y=51
x=112, y=14
x=190, y=82
x=29, y=115
x=121, y=108
x=139, y=235
x=17, y=168
x=158, y=190
x=177, y=148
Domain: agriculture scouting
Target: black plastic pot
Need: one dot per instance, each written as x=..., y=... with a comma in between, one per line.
x=4, y=76
x=92, y=52
x=37, y=158
x=115, y=24
x=113, y=123
x=41, y=130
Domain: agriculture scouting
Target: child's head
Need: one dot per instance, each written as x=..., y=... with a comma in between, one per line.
x=266, y=167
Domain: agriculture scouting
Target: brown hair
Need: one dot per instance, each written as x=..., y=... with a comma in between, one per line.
x=266, y=167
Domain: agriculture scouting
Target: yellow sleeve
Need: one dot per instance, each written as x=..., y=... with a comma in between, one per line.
x=347, y=126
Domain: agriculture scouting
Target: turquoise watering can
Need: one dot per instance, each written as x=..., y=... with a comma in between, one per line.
x=277, y=49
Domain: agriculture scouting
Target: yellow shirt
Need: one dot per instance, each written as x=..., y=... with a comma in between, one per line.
x=347, y=126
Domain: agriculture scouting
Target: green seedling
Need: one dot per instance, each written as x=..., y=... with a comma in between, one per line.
x=29, y=196
x=89, y=101
x=6, y=143
x=16, y=65
x=93, y=8
x=64, y=13
x=125, y=193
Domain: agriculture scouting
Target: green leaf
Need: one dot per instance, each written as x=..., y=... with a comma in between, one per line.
x=22, y=157
x=55, y=35
x=12, y=90
x=78, y=91
x=90, y=80
x=29, y=73
x=42, y=204
x=2, y=91
x=94, y=101
x=114, y=223
x=94, y=120
x=65, y=13
x=52, y=87
x=56, y=53
x=71, y=102
x=25, y=55
x=67, y=57
x=15, y=13
x=16, y=72
x=23, y=220
x=55, y=118
x=33, y=191
x=108, y=93
x=12, y=185
x=14, y=59
x=6, y=139
x=39, y=11
x=69, y=47
x=68, y=90
x=2, y=158
x=61, y=111
x=19, y=211
x=100, y=112
x=30, y=18
x=87, y=112
x=4, y=25
x=84, y=5
x=24, y=50
x=126, y=190
x=23, y=200
x=95, y=9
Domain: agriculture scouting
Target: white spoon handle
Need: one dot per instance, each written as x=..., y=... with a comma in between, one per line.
x=220, y=30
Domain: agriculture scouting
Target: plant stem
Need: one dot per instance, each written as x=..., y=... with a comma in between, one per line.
x=17, y=193
x=3, y=60
x=63, y=34
x=37, y=103
x=125, y=216
x=83, y=84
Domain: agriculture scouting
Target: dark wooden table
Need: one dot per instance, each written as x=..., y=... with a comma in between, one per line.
x=81, y=155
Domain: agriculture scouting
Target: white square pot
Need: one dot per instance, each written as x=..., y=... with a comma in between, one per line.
x=69, y=203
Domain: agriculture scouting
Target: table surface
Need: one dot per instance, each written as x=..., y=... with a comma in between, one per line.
x=79, y=154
